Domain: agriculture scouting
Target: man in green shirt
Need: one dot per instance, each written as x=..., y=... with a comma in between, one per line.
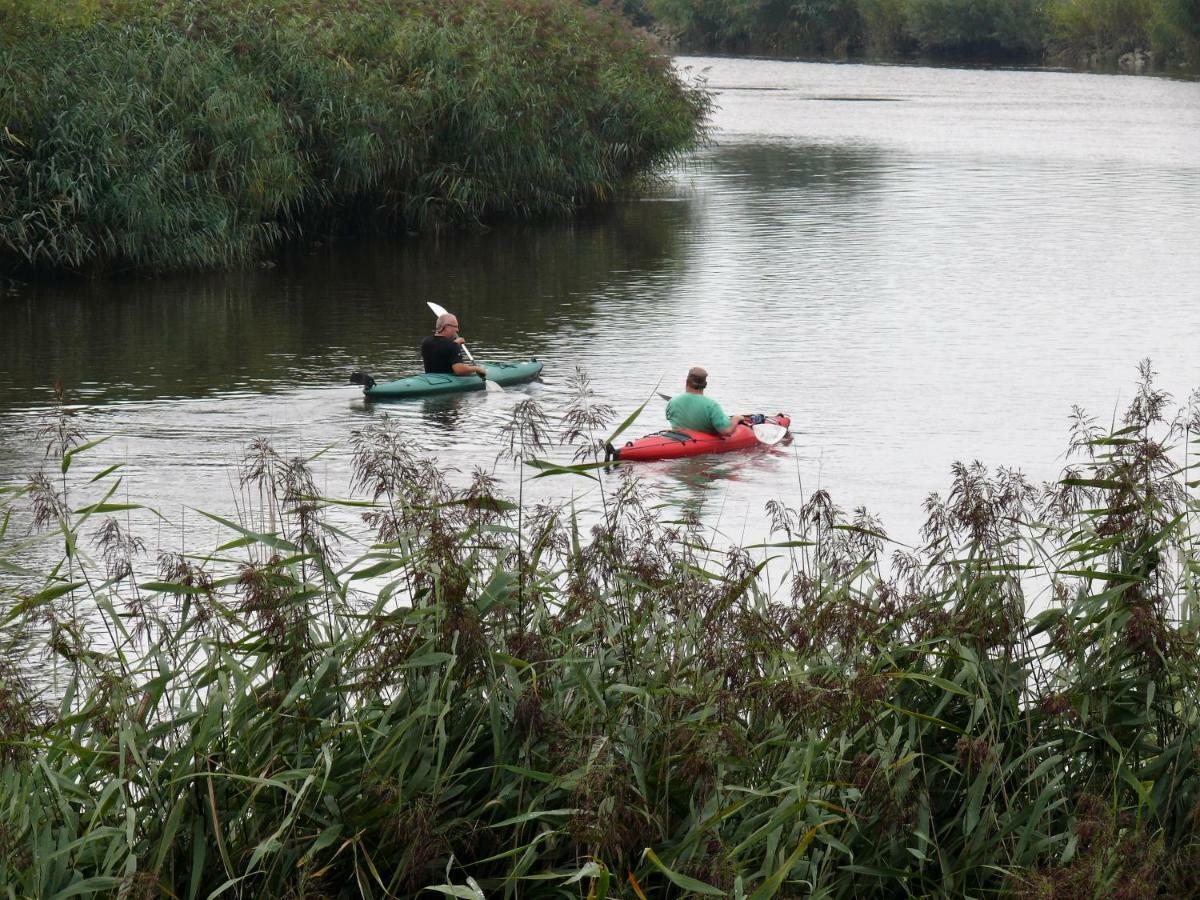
x=695, y=412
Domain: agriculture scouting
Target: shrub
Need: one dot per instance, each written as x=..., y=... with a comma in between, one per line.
x=1102, y=25
x=884, y=26
x=1011, y=27
x=1175, y=30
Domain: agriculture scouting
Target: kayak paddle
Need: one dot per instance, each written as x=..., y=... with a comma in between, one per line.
x=769, y=433
x=492, y=386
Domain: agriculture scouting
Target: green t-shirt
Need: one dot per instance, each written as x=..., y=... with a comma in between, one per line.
x=696, y=412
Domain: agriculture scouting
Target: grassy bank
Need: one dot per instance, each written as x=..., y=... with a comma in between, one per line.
x=475, y=698
x=178, y=134
x=1075, y=32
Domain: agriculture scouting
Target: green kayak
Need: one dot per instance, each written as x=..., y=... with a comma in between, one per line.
x=429, y=385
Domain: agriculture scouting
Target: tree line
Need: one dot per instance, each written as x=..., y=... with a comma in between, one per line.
x=1075, y=32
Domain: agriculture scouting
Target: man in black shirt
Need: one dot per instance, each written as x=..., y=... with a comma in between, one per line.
x=442, y=350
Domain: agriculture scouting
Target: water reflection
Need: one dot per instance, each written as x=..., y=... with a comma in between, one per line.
x=443, y=412
x=791, y=169
x=714, y=489
x=322, y=312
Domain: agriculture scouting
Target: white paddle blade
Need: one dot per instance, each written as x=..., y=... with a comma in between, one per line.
x=492, y=387
x=437, y=310
x=769, y=433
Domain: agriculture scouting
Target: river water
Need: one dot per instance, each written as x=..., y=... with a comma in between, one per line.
x=919, y=265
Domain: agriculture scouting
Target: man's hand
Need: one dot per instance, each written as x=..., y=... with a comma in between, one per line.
x=460, y=341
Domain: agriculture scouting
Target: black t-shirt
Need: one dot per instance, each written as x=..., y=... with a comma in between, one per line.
x=440, y=354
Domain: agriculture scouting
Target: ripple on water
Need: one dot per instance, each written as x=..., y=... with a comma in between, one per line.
x=935, y=275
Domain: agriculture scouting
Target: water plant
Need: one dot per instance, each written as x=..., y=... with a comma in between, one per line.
x=605, y=702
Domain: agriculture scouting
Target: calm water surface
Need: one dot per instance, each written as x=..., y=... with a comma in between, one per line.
x=919, y=265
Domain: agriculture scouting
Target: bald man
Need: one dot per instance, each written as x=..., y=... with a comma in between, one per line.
x=442, y=350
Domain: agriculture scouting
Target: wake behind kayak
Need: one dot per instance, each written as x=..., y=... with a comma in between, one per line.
x=429, y=384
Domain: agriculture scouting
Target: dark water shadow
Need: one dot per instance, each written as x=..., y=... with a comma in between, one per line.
x=321, y=313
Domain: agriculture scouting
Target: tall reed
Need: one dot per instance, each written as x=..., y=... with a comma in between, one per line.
x=448, y=702
x=184, y=134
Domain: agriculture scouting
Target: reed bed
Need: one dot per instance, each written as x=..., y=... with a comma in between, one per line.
x=476, y=699
x=158, y=135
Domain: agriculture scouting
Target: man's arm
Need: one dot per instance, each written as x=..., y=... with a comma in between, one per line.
x=734, y=422
x=719, y=416
x=460, y=367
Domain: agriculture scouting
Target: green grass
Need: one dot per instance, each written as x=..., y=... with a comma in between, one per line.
x=470, y=698
x=157, y=136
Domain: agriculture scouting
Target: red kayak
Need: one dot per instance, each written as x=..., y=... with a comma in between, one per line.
x=679, y=442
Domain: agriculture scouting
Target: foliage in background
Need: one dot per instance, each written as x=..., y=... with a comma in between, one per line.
x=481, y=699
x=1171, y=28
x=184, y=134
x=1104, y=23
x=807, y=26
x=987, y=30
x=1007, y=27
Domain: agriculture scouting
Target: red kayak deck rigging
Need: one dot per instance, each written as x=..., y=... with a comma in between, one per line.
x=675, y=443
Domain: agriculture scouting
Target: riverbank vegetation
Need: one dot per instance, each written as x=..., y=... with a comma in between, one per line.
x=477, y=698
x=177, y=134
x=1073, y=32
